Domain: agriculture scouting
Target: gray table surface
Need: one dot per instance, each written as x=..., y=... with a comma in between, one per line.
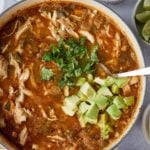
x=134, y=140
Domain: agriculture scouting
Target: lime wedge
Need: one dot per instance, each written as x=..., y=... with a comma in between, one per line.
x=146, y=4
x=146, y=31
x=143, y=17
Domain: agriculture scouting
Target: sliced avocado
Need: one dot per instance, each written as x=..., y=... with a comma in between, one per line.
x=118, y=101
x=87, y=90
x=72, y=101
x=104, y=91
x=81, y=81
x=69, y=111
x=82, y=120
x=99, y=81
x=70, y=105
x=101, y=101
x=90, y=78
x=121, y=82
x=115, y=89
x=114, y=112
x=105, y=132
x=129, y=101
x=102, y=120
x=105, y=128
x=83, y=107
x=91, y=115
x=82, y=96
x=109, y=81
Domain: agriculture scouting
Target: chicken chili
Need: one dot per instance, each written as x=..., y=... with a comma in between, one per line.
x=56, y=91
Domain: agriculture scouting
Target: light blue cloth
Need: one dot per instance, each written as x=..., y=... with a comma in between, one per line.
x=134, y=140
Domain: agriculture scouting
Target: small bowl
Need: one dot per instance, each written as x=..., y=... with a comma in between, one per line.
x=137, y=25
x=146, y=124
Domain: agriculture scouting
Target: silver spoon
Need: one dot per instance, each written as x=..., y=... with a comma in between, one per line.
x=138, y=72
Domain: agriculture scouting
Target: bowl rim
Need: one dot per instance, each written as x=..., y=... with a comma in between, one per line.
x=122, y=26
x=144, y=123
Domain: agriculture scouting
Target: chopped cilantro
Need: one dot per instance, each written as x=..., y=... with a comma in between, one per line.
x=73, y=58
x=46, y=74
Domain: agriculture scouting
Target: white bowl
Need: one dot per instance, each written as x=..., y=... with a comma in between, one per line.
x=118, y=22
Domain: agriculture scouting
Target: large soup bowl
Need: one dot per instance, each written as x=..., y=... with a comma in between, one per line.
x=9, y=13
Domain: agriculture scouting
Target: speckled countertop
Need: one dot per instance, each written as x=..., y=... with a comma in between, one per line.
x=135, y=139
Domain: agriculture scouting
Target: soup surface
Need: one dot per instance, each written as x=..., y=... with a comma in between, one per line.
x=56, y=91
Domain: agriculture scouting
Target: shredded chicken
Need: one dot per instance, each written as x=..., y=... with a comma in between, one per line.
x=32, y=77
x=25, y=75
x=56, y=138
x=99, y=41
x=66, y=91
x=27, y=91
x=11, y=91
x=77, y=18
x=46, y=15
x=53, y=32
x=117, y=45
x=14, y=63
x=23, y=28
x=134, y=80
x=22, y=92
x=54, y=17
x=23, y=136
x=14, y=29
x=92, y=13
x=107, y=28
x=22, y=89
x=59, y=26
x=3, y=68
x=19, y=114
x=52, y=90
x=67, y=26
x=35, y=147
x=2, y=123
x=1, y=92
x=97, y=22
x=19, y=49
x=43, y=112
x=51, y=117
x=88, y=35
x=126, y=90
x=20, y=98
x=4, y=49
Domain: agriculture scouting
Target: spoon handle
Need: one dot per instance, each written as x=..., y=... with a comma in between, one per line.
x=139, y=72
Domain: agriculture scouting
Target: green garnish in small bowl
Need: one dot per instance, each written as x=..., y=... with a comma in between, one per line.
x=142, y=19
